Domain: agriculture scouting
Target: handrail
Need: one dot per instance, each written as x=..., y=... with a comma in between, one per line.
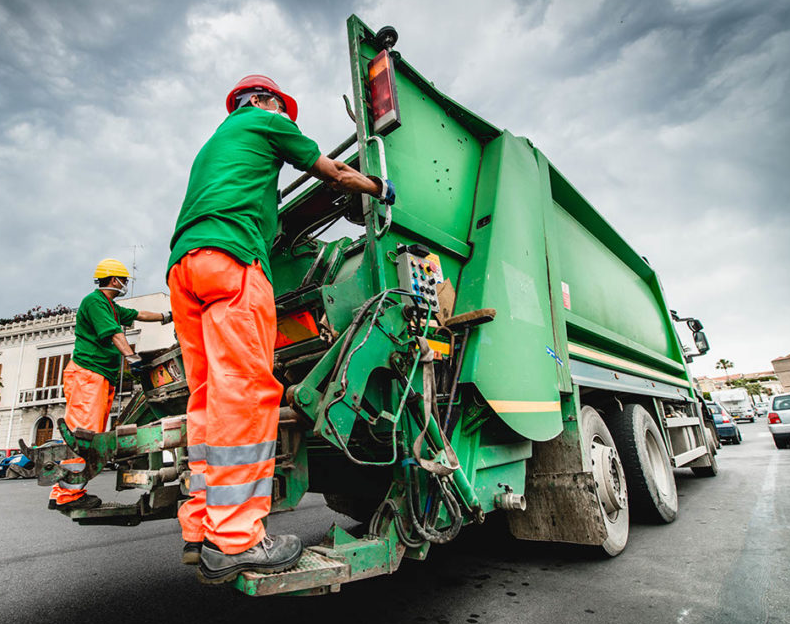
x=378, y=233
x=306, y=176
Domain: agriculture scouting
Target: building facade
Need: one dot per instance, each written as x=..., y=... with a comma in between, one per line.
x=782, y=369
x=767, y=379
x=33, y=354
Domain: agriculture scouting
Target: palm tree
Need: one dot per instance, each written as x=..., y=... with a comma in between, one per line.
x=725, y=364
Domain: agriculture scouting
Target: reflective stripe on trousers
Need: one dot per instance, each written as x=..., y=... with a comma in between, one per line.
x=89, y=397
x=226, y=324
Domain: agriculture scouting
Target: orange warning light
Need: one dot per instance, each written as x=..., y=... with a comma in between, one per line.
x=386, y=113
x=295, y=327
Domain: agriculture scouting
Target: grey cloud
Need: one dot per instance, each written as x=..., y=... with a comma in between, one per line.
x=670, y=117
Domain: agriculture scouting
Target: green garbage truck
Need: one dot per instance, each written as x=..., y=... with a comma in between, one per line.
x=488, y=344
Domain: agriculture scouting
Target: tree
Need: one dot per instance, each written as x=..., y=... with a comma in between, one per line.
x=725, y=364
x=753, y=388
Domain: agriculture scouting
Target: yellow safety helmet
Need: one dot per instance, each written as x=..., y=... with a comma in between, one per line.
x=110, y=267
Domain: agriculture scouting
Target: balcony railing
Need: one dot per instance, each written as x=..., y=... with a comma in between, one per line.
x=41, y=396
x=49, y=395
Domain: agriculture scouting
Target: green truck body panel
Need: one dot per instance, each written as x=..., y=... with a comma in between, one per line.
x=576, y=307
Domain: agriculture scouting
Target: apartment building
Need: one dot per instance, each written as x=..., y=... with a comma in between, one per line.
x=33, y=354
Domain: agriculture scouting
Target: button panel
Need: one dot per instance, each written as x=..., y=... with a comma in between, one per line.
x=421, y=276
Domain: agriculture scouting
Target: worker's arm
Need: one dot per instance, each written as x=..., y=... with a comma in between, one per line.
x=342, y=177
x=120, y=342
x=151, y=317
x=132, y=359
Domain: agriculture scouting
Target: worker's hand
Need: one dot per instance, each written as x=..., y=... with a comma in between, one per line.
x=135, y=363
x=387, y=192
x=167, y=317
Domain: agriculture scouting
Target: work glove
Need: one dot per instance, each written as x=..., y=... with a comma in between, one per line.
x=387, y=190
x=167, y=317
x=135, y=363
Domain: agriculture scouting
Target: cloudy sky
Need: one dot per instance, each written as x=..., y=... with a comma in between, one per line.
x=672, y=117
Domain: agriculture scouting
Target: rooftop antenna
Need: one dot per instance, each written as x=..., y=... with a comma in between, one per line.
x=134, y=265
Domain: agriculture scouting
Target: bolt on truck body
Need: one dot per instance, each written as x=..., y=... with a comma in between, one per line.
x=488, y=344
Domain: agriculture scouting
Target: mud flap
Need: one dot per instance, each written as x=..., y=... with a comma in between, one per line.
x=561, y=507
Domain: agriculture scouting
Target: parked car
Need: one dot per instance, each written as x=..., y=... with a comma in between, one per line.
x=16, y=466
x=779, y=420
x=725, y=425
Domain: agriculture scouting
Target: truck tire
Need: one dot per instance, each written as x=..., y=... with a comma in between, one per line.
x=652, y=493
x=713, y=469
x=602, y=458
x=359, y=509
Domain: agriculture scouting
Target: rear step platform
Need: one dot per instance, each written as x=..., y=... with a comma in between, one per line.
x=118, y=514
x=314, y=574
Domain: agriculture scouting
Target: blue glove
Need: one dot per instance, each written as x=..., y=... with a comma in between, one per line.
x=387, y=194
x=135, y=363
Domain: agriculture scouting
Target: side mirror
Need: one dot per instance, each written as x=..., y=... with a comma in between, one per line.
x=695, y=326
x=701, y=341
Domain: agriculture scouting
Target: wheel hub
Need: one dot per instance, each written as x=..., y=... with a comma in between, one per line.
x=609, y=478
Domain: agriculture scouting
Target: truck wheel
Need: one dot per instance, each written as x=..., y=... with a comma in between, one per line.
x=604, y=462
x=359, y=509
x=713, y=469
x=651, y=484
x=706, y=471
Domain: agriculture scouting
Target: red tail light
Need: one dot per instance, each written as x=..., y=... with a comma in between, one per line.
x=725, y=420
x=386, y=113
x=773, y=418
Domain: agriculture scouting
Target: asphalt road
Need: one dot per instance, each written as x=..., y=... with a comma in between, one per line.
x=726, y=559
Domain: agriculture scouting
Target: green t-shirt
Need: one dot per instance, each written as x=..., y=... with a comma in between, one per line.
x=231, y=199
x=98, y=320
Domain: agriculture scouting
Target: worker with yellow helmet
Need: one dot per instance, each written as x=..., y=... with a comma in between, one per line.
x=89, y=380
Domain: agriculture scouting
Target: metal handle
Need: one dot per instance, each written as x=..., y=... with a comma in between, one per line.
x=383, y=170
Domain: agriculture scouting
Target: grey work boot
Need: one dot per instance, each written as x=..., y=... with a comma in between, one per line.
x=191, y=553
x=276, y=553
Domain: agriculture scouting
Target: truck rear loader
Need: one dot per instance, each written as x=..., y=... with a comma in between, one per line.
x=487, y=344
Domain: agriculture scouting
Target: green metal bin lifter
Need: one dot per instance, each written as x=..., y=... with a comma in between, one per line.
x=487, y=344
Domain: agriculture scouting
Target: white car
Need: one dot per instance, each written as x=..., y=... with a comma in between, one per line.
x=779, y=420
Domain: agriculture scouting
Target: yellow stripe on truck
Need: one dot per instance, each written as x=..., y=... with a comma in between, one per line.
x=523, y=407
x=628, y=365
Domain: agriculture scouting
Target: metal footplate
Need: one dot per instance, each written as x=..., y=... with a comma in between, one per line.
x=339, y=559
x=120, y=514
x=314, y=574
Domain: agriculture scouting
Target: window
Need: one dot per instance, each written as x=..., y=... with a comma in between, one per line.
x=66, y=360
x=782, y=402
x=49, y=377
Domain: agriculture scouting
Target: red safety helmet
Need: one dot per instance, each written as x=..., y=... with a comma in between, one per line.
x=261, y=82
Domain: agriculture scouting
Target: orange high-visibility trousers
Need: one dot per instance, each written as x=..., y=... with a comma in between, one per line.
x=225, y=319
x=89, y=398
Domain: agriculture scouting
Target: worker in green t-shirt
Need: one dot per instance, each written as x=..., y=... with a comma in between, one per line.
x=89, y=380
x=223, y=307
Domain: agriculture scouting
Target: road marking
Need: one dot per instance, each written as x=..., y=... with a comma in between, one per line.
x=743, y=593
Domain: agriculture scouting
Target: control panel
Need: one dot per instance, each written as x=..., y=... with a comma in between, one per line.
x=420, y=272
